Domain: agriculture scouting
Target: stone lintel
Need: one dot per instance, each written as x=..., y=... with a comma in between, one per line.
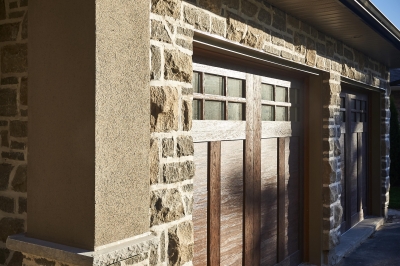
x=105, y=255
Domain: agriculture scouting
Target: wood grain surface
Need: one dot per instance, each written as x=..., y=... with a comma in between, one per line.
x=200, y=204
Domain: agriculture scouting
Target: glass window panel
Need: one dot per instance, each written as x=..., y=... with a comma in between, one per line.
x=235, y=111
x=235, y=88
x=214, y=110
x=281, y=113
x=294, y=114
x=358, y=105
x=343, y=116
x=267, y=92
x=197, y=110
x=294, y=96
x=196, y=82
x=280, y=94
x=358, y=117
x=267, y=113
x=342, y=102
x=364, y=116
x=363, y=105
x=213, y=84
x=354, y=117
x=353, y=104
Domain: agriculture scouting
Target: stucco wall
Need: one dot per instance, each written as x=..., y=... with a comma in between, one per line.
x=253, y=23
x=13, y=123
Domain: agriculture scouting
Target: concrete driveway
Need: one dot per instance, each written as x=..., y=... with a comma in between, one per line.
x=381, y=249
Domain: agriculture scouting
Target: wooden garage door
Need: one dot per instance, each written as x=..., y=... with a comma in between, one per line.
x=354, y=150
x=248, y=155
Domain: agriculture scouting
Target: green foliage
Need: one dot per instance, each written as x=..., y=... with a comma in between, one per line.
x=394, y=201
x=394, y=145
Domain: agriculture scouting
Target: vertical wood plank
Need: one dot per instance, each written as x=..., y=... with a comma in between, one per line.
x=348, y=163
x=359, y=171
x=248, y=183
x=214, y=202
x=281, y=199
x=200, y=204
x=306, y=171
x=257, y=170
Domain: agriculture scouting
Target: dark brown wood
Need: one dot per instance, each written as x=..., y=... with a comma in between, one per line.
x=269, y=201
x=306, y=171
x=257, y=170
x=214, y=202
x=281, y=198
x=248, y=184
x=200, y=204
x=232, y=154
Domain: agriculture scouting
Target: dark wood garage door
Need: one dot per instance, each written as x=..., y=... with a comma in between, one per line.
x=248, y=155
x=354, y=161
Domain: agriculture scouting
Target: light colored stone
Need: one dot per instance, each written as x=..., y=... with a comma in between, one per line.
x=164, y=109
x=235, y=30
x=185, y=146
x=197, y=17
x=166, y=7
x=166, y=206
x=178, y=66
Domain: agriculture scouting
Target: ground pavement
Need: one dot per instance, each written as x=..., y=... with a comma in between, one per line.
x=381, y=249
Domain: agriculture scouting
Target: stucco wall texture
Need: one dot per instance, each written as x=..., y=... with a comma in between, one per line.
x=252, y=23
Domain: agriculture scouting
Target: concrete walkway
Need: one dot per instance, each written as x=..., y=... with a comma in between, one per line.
x=381, y=249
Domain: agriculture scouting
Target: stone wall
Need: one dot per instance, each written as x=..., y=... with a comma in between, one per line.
x=13, y=123
x=252, y=23
x=255, y=24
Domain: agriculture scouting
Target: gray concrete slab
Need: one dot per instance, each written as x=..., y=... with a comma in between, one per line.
x=381, y=249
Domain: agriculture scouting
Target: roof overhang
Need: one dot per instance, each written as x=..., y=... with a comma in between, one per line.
x=357, y=23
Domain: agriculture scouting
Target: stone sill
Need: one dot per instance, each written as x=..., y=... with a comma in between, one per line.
x=355, y=236
x=110, y=254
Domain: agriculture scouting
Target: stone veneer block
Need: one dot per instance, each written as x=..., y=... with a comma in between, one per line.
x=108, y=255
x=89, y=121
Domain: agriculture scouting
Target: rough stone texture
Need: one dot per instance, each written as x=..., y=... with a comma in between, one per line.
x=6, y=204
x=159, y=32
x=18, y=128
x=187, y=115
x=175, y=172
x=14, y=58
x=8, y=102
x=16, y=259
x=10, y=226
x=154, y=161
x=164, y=109
x=264, y=16
x=166, y=7
x=218, y=26
x=185, y=146
x=211, y=5
x=180, y=244
x=9, y=32
x=20, y=179
x=166, y=206
x=168, y=147
x=249, y=9
x=235, y=30
x=5, y=171
x=13, y=105
x=155, y=72
x=197, y=17
x=22, y=205
x=177, y=66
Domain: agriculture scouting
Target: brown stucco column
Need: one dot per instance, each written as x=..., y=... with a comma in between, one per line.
x=89, y=131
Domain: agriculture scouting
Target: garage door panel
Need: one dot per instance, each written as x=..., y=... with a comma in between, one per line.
x=231, y=202
x=200, y=204
x=269, y=202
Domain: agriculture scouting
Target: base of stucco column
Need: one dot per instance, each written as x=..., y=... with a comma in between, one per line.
x=36, y=251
